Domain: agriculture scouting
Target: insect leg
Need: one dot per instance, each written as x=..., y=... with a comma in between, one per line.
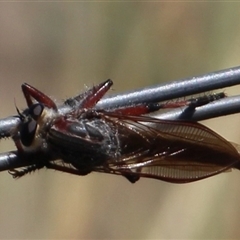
x=139, y=109
x=145, y=108
x=19, y=173
x=66, y=169
x=95, y=94
x=31, y=92
x=131, y=178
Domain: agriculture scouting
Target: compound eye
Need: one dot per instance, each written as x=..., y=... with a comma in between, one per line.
x=36, y=110
x=27, y=132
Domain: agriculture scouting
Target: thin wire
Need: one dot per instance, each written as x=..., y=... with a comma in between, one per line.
x=158, y=93
x=219, y=108
x=175, y=89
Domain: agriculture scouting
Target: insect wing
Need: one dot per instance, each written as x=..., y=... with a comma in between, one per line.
x=173, y=151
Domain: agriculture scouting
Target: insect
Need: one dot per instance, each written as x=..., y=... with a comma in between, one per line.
x=119, y=141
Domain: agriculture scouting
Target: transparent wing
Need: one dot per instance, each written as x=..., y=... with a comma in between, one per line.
x=173, y=151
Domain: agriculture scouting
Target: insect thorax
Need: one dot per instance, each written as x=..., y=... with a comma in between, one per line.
x=84, y=142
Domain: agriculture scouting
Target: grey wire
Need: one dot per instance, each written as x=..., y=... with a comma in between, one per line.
x=219, y=108
x=175, y=89
x=158, y=93
x=6, y=124
x=10, y=160
x=207, y=82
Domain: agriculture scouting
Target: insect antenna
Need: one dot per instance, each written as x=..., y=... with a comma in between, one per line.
x=20, y=115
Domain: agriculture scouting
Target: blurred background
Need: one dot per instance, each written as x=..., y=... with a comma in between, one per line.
x=62, y=47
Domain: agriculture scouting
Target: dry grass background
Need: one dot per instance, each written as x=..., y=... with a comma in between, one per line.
x=60, y=47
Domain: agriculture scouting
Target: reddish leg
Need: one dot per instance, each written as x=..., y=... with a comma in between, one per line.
x=66, y=169
x=95, y=94
x=139, y=109
x=31, y=92
x=89, y=98
x=130, y=177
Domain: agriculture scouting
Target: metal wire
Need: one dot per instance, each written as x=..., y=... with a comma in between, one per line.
x=221, y=107
x=176, y=89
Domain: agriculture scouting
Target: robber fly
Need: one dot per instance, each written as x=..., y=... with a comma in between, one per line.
x=118, y=141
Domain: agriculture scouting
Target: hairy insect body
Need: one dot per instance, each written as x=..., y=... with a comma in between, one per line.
x=85, y=143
